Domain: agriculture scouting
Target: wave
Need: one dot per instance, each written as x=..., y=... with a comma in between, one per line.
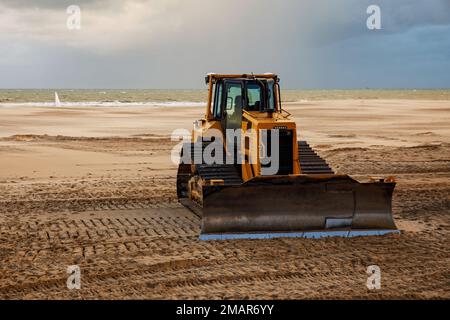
x=104, y=104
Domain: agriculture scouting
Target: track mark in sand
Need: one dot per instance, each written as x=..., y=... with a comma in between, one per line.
x=192, y=273
x=81, y=205
x=93, y=278
x=119, y=231
x=133, y=240
x=429, y=159
x=411, y=226
x=93, y=194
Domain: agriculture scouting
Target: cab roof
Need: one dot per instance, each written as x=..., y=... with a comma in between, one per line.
x=217, y=76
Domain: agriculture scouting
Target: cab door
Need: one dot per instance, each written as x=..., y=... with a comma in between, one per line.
x=234, y=100
x=232, y=120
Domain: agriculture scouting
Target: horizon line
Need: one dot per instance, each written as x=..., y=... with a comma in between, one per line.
x=198, y=89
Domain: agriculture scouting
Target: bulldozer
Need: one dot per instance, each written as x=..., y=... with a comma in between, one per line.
x=262, y=180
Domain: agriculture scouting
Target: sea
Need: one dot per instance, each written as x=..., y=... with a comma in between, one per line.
x=190, y=97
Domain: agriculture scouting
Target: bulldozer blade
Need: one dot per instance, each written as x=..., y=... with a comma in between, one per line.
x=310, y=206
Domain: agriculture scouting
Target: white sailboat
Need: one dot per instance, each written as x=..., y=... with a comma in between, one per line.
x=57, y=102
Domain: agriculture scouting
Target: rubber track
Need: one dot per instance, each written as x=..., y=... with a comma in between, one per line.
x=310, y=161
x=228, y=173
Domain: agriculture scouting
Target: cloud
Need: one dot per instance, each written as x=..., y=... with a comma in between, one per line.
x=116, y=24
x=167, y=43
x=106, y=25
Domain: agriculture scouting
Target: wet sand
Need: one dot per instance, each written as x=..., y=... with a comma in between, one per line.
x=96, y=187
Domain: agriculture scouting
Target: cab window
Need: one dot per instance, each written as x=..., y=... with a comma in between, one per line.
x=254, y=97
x=234, y=97
x=271, y=95
x=217, y=111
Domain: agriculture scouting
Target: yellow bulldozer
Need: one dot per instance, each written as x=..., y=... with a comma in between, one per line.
x=247, y=174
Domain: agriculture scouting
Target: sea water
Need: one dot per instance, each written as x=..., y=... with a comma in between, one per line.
x=190, y=97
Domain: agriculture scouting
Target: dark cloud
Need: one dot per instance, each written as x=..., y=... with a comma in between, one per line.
x=170, y=43
x=51, y=4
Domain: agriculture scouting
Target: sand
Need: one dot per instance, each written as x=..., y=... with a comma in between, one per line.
x=95, y=187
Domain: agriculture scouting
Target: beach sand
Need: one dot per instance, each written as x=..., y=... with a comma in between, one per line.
x=95, y=187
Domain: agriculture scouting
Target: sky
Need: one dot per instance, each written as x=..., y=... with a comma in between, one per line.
x=311, y=44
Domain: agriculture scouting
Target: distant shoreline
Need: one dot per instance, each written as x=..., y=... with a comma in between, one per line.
x=183, y=97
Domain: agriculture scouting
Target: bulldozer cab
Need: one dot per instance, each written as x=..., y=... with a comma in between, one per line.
x=232, y=96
